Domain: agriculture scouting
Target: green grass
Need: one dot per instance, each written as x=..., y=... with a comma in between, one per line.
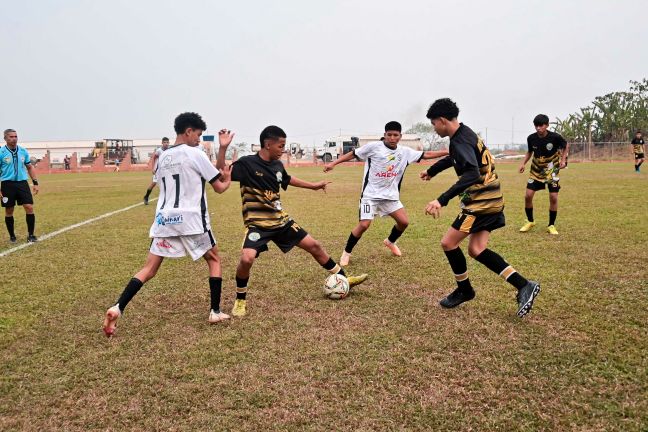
x=386, y=358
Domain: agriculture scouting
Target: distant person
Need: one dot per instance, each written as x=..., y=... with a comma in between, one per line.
x=385, y=165
x=181, y=224
x=117, y=162
x=14, y=167
x=156, y=161
x=261, y=177
x=638, y=150
x=482, y=208
x=549, y=150
x=66, y=162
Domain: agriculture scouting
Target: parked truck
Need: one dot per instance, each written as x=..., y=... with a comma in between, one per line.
x=333, y=148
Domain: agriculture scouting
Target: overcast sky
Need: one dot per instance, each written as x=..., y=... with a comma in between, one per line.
x=125, y=68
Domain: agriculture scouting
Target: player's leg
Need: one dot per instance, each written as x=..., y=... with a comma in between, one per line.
x=553, y=212
x=365, y=217
x=24, y=198
x=638, y=163
x=450, y=245
x=528, y=208
x=315, y=248
x=215, y=286
x=527, y=290
x=147, y=272
x=149, y=189
x=243, y=268
x=402, y=221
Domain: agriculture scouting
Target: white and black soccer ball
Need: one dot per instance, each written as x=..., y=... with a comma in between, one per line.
x=336, y=287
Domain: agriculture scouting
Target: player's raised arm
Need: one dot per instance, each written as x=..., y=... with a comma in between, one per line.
x=344, y=158
x=294, y=181
x=225, y=138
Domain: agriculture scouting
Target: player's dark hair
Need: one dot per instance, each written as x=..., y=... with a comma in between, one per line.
x=445, y=108
x=189, y=120
x=638, y=132
x=271, y=133
x=165, y=139
x=8, y=131
x=393, y=126
x=540, y=119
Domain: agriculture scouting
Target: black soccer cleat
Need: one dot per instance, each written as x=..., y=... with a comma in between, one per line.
x=456, y=297
x=525, y=297
x=32, y=239
x=13, y=239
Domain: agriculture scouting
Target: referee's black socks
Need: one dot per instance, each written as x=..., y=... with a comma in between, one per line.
x=31, y=223
x=9, y=221
x=497, y=264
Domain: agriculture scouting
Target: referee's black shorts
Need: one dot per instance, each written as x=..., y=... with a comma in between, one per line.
x=15, y=192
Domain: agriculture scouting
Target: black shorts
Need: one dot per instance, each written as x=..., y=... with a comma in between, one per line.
x=471, y=224
x=639, y=156
x=15, y=192
x=286, y=237
x=536, y=185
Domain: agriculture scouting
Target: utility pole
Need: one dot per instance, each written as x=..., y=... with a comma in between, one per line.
x=487, y=135
x=512, y=130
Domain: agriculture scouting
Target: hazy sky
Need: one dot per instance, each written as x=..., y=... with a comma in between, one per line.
x=90, y=69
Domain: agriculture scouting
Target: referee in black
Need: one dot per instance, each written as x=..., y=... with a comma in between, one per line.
x=14, y=167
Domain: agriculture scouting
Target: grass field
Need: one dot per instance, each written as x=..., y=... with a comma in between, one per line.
x=386, y=358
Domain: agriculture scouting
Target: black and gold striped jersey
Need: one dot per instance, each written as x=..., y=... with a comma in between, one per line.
x=547, y=152
x=637, y=145
x=478, y=186
x=260, y=183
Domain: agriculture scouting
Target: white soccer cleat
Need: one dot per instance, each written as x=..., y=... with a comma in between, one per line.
x=345, y=258
x=216, y=317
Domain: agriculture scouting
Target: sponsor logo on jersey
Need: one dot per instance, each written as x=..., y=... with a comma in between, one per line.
x=167, y=163
x=390, y=171
x=168, y=220
x=549, y=146
x=164, y=244
x=254, y=236
x=279, y=176
x=260, y=174
x=7, y=159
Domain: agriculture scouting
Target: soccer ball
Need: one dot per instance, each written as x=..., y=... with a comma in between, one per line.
x=336, y=287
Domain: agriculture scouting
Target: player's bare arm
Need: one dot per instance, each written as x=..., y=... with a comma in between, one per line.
x=344, y=158
x=32, y=175
x=434, y=154
x=563, y=157
x=294, y=181
x=527, y=156
x=225, y=138
x=224, y=180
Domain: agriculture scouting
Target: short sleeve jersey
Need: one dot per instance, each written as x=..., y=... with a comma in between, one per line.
x=182, y=206
x=260, y=182
x=637, y=145
x=13, y=163
x=546, y=154
x=384, y=169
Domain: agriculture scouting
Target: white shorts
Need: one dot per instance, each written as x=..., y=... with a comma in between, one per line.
x=369, y=208
x=175, y=247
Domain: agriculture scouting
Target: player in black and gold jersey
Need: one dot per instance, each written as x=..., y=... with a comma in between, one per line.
x=549, y=151
x=638, y=150
x=482, y=207
x=261, y=176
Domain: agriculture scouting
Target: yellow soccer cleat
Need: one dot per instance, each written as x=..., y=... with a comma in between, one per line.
x=239, y=308
x=552, y=230
x=527, y=226
x=357, y=280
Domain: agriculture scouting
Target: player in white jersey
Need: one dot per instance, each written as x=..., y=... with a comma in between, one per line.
x=181, y=224
x=156, y=160
x=385, y=165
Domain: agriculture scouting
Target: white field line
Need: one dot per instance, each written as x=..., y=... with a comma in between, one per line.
x=70, y=227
